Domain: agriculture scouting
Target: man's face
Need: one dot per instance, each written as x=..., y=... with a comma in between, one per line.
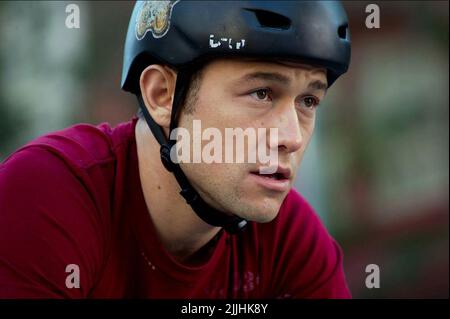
x=254, y=94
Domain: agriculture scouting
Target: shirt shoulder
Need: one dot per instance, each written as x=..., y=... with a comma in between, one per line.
x=54, y=211
x=84, y=145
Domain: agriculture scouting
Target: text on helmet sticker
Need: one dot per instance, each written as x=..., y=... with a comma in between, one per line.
x=154, y=16
x=217, y=43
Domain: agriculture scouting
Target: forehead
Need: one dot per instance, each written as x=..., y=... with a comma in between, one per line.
x=239, y=66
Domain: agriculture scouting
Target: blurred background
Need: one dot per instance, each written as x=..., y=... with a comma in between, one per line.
x=376, y=170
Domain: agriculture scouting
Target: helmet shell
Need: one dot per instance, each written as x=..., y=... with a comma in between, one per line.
x=177, y=33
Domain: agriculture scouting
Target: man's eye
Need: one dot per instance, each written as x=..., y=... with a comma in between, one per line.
x=310, y=102
x=261, y=94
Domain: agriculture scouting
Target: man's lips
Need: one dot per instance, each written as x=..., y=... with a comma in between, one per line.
x=278, y=181
x=279, y=174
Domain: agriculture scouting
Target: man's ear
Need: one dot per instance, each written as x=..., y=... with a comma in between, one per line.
x=157, y=85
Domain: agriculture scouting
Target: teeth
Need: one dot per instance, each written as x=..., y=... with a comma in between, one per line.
x=273, y=176
x=276, y=176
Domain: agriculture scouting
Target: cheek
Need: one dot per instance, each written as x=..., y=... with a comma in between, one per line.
x=297, y=158
x=307, y=129
x=307, y=133
x=211, y=114
x=307, y=121
x=219, y=174
x=219, y=183
x=227, y=111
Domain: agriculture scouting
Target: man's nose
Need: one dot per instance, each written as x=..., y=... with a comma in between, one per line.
x=289, y=131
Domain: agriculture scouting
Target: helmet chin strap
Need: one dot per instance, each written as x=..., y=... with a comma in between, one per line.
x=231, y=223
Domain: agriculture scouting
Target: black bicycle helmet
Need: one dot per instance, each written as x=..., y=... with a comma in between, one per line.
x=183, y=33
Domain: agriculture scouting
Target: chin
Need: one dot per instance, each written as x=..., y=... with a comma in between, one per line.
x=264, y=218
x=263, y=212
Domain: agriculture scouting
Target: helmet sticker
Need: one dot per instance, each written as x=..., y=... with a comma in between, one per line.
x=217, y=43
x=154, y=16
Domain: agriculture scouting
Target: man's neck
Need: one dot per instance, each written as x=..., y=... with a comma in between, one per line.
x=180, y=230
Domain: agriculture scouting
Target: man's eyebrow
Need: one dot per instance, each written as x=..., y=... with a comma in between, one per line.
x=280, y=78
x=318, y=86
x=267, y=76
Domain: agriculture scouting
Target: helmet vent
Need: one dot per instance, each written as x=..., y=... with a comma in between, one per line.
x=342, y=31
x=268, y=19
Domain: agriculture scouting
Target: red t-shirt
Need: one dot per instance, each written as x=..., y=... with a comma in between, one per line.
x=74, y=197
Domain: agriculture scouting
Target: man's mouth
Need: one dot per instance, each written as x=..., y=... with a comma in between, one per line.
x=276, y=176
x=279, y=172
x=278, y=181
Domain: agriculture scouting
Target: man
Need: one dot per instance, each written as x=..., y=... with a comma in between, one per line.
x=95, y=211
